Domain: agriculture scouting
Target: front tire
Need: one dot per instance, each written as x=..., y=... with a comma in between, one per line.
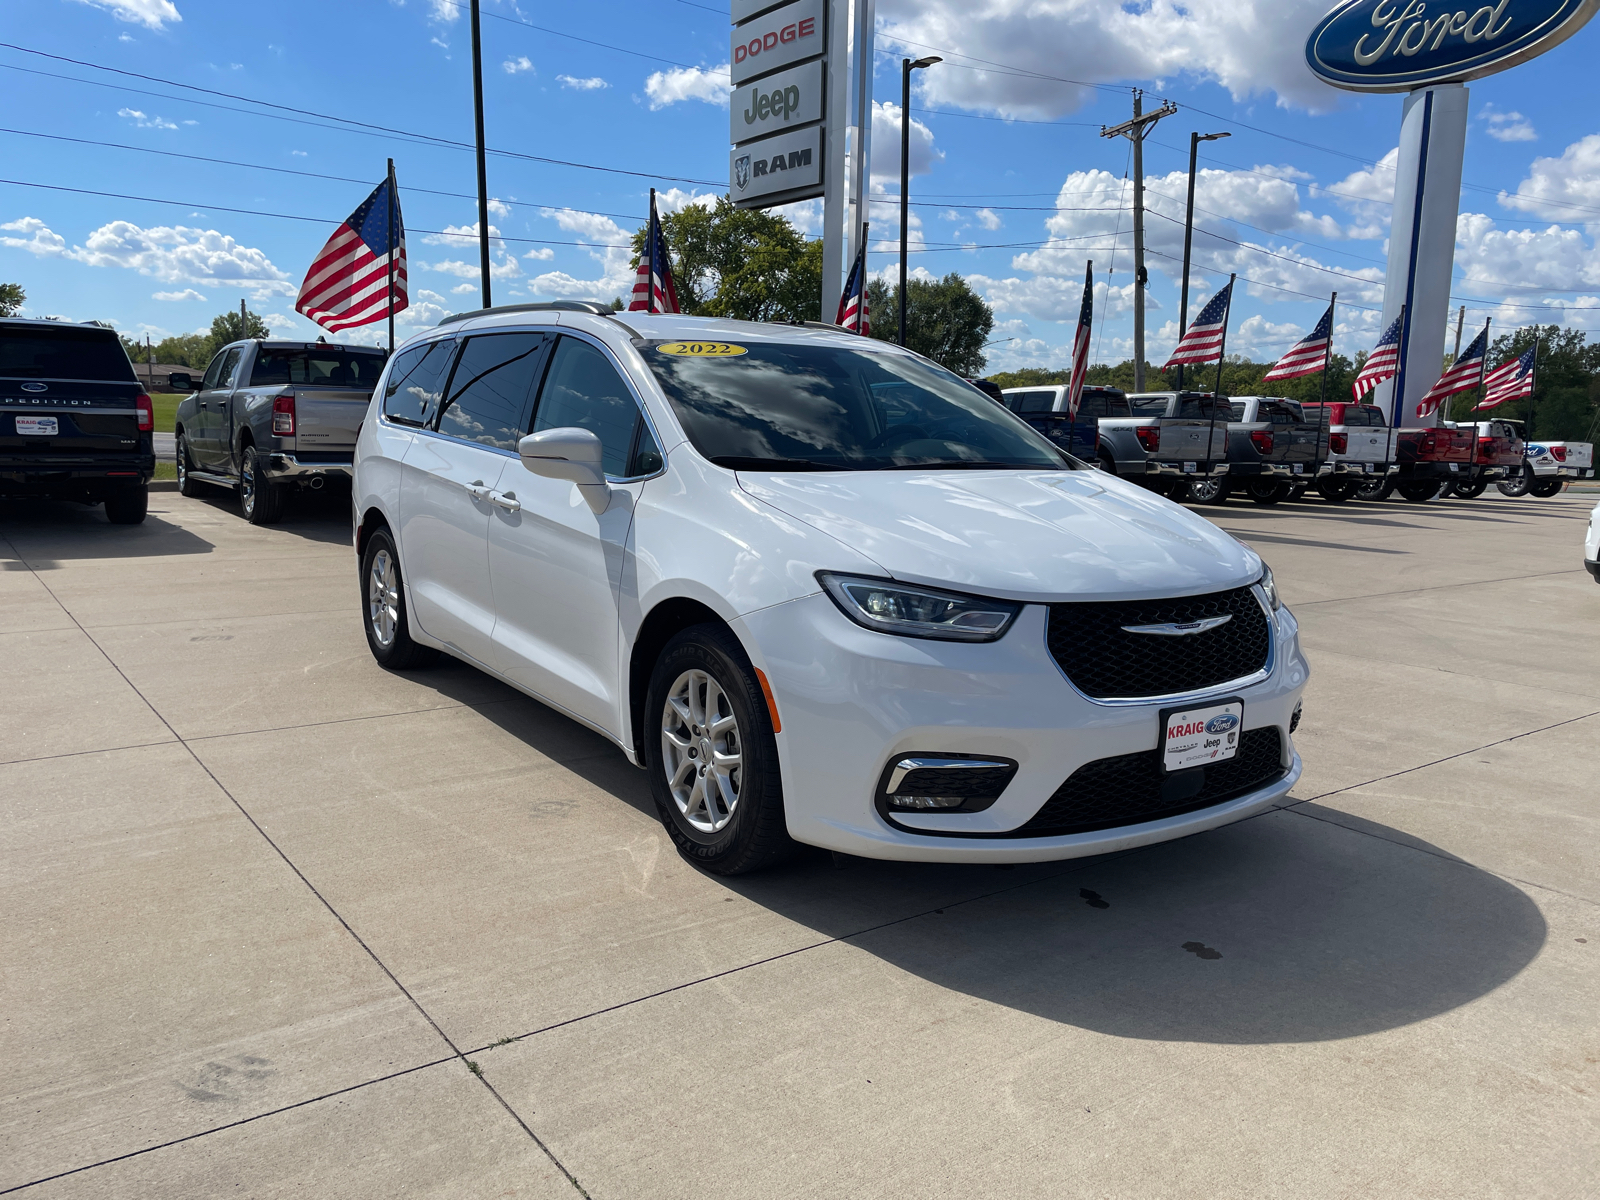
x=1211, y=491
x=1545, y=488
x=383, y=607
x=1266, y=491
x=1337, y=491
x=260, y=499
x=1470, y=491
x=1422, y=491
x=1518, y=484
x=712, y=755
x=187, y=484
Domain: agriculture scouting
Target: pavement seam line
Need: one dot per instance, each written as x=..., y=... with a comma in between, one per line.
x=355, y=1087
x=382, y=966
x=1438, y=587
x=17, y=762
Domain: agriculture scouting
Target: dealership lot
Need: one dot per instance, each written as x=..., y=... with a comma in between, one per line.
x=280, y=923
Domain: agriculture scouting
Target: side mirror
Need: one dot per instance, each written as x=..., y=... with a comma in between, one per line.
x=181, y=381
x=569, y=453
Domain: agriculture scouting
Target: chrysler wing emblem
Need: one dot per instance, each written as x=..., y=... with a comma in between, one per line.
x=1180, y=628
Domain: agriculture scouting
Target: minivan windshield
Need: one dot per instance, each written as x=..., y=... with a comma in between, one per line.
x=768, y=406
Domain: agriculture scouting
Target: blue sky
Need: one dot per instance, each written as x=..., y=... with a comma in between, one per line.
x=1012, y=180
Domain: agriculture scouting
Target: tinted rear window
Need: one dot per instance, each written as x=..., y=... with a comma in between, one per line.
x=1362, y=415
x=358, y=369
x=1208, y=407
x=1103, y=404
x=39, y=352
x=1156, y=407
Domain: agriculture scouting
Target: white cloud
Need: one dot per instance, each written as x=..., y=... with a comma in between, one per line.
x=497, y=208
x=461, y=289
x=540, y=254
x=145, y=122
x=886, y=144
x=1239, y=44
x=593, y=83
x=151, y=13
x=298, y=153
x=186, y=294
x=673, y=200
x=462, y=235
x=172, y=254
x=505, y=268
x=1508, y=126
x=1562, y=189
x=613, y=251
x=987, y=218
x=513, y=66
x=444, y=10
x=689, y=83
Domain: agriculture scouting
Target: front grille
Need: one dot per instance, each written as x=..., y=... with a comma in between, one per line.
x=1104, y=662
x=1131, y=788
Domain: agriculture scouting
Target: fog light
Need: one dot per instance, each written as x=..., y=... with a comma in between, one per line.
x=1294, y=721
x=926, y=802
x=943, y=783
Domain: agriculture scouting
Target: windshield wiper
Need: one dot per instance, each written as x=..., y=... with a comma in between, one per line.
x=738, y=462
x=967, y=464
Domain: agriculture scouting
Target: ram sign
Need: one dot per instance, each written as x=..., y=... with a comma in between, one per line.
x=777, y=170
x=1400, y=45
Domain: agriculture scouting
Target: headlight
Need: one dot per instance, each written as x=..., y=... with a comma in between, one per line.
x=1269, y=587
x=918, y=612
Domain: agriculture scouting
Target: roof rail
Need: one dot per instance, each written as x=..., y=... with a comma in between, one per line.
x=593, y=307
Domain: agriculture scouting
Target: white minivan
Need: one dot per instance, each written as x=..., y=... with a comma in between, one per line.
x=821, y=589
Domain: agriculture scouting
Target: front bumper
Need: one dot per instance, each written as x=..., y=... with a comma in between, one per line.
x=283, y=465
x=850, y=699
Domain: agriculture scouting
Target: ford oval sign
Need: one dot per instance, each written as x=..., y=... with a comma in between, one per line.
x=1223, y=723
x=1398, y=45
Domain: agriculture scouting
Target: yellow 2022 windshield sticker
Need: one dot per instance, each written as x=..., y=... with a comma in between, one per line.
x=701, y=349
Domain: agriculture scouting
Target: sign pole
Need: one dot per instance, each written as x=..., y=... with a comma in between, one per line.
x=835, y=110
x=483, y=184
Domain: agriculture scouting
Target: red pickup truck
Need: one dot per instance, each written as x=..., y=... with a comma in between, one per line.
x=1467, y=457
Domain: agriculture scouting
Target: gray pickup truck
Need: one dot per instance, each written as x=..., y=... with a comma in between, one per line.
x=1273, y=450
x=1171, y=440
x=270, y=415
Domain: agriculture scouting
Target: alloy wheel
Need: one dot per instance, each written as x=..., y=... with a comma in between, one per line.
x=383, y=599
x=183, y=465
x=247, y=483
x=702, y=751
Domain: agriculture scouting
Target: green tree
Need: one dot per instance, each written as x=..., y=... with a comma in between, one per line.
x=945, y=320
x=1566, y=394
x=234, y=327
x=11, y=298
x=186, y=350
x=741, y=263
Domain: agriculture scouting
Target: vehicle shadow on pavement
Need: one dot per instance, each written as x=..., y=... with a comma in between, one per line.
x=49, y=532
x=1281, y=928
x=319, y=516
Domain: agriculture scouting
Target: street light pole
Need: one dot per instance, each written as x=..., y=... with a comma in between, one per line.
x=1135, y=131
x=483, y=183
x=1188, y=235
x=906, y=67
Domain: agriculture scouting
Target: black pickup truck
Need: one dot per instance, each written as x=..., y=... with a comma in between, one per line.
x=75, y=423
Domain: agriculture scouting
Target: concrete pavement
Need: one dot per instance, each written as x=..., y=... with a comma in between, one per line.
x=279, y=923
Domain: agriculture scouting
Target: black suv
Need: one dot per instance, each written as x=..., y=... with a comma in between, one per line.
x=75, y=424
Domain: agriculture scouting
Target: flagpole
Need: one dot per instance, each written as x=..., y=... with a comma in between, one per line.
x=483, y=178
x=1327, y=359
x=861, y=304
x=650, y=253
x=1483, y=363
x=393, y=241
x=1216, y=392
x=1533, y=382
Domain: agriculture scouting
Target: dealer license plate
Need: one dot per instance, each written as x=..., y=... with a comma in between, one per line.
x=1193, y=737
x=38, y=426
x=1190, y=468
x=1299, y=468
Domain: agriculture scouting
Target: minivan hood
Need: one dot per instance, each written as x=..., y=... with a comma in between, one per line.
x=1058, y=535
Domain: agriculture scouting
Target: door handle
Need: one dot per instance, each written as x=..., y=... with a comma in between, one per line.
x=506, y=500
x=203, y=404
x=477, y=490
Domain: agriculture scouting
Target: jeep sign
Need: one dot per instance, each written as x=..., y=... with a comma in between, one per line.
x=776, y=103
x=778, y=169
x=778, y=39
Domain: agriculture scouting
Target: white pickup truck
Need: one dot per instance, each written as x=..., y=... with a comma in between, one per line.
x=1361, y=449
x=1549, y=465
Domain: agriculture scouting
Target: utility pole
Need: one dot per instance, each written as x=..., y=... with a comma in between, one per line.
x=483, y=184
x=1135, y=131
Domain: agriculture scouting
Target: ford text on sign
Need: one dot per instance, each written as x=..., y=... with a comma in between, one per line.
x=769, y=171
x=1398, y=45
x=781, y=38
x=777, y=102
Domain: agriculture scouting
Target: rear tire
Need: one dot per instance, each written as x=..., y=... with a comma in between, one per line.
x=1266, y=491
x=383, y=607
x=188, y=485
x=1518, y=484
x=704, y=703
x=1420, y=492
x=1337, y=491
x=1207, y=491
x=1375, y=489
x=1545, y=488
x=1470, y=491
x=128, y=506
x=260, y=499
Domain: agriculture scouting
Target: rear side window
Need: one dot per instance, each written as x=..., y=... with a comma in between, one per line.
x=1279, y=414
x=1035, y=402
x=70, y=352
x=584, y=391
x=1103, y=404
x=228, y=368
x=1154, y=407
x=1237, y=409
x=355, y=369
x=1207, y=407
x=1361, y=415
x=491, y=389
x=416, y=384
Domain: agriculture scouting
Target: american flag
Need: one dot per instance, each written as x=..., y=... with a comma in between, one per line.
x=1203, y=342
x=1383, y=362
x=1080, y=343
x=348, y=283
x=1307, y=356
x=853, y=314
x=1466, y=372
x=652, y=284
x=1511, y=381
